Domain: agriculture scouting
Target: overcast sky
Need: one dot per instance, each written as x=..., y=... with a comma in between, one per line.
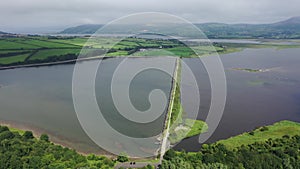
x=53, y=15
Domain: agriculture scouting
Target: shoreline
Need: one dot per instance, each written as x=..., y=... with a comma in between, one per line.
x=55, y=139
x=73, y=61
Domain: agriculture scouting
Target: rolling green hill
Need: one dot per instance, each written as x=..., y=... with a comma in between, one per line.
x=3, y=33
x=287, y=29
x=82, y=29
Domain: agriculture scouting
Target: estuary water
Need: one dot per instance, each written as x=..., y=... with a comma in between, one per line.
x=40, y=98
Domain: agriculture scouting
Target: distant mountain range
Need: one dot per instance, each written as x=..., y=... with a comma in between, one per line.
x=3, y=33
x=287, y=29
x=82, y=29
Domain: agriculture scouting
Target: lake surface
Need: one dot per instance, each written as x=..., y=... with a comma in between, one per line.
x=253, y=99
x=41, y=97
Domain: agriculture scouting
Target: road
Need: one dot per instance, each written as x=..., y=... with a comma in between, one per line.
x=136, y=165
x=165, y=143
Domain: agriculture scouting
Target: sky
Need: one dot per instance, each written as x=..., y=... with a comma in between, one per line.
x=42, y=16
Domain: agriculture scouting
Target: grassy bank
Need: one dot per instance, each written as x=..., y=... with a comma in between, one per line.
x=274, y=146
x=261, y=134
x=182, y=127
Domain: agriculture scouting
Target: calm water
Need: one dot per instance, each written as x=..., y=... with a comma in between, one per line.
x=41, y=97
x=253, y=99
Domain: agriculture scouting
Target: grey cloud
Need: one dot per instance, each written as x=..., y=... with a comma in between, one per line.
x=25, y=14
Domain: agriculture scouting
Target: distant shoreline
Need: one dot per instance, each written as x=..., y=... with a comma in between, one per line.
x=69, y=61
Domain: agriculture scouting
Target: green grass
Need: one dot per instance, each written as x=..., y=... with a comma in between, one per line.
x=47, y=44
x=177, y=110
x=230, y=50
x=248, y=70
x=277, y=130
x=73, y=41
x=182, y=127
x=5, y=44
x=43, y=54
x=55, y=46
x=256, y=83
x=13, y=51
x=236, y=46
x=118, y=53
x=182, y=51
x=13, y=59
x=193, y=127
x=154, y=52
x=12, y=129
x=99, y=42
x=196, y=127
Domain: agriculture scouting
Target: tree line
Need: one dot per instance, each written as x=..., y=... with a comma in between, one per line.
x=24, y=151
x=283, y=153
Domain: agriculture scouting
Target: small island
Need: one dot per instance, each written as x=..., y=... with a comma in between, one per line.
x=251, y=70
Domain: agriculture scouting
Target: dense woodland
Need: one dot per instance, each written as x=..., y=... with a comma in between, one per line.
x=283, y=153
x=24, y=151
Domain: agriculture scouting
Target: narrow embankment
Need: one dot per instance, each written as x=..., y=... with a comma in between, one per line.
x=164, y=144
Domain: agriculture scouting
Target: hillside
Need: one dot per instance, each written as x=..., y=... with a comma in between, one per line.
x=2, y=33
x=287, y=29
x=82, y=29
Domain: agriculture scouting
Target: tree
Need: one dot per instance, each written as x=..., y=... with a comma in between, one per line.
x=25, y=152
x=44, y=137
x=3, y=128
x=170, y=154
x=122, y=158
x=6, y=135
x=28, y=135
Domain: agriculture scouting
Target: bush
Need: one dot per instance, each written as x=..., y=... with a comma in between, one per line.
x=28, y=135
x=44, y=137
x=264, y=128
x=122, y=158
x=6, y=135
x=3, y=128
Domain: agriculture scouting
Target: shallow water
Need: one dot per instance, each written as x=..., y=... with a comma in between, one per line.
x=41, y=97
x=253, y=99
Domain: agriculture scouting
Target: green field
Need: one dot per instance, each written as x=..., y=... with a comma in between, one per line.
x=13, y=59
x=73, y=41
x=154, y=52
x=43, y=54
x=7, y=44
x=118, y=53
x=44, y=49
x=3, y=52
x=182, y=51
x=29, y=50
x=261, y=134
